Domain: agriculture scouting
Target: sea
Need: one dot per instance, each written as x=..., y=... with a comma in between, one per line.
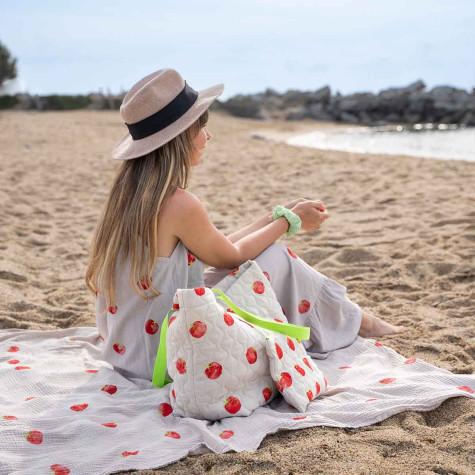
x=442, y=141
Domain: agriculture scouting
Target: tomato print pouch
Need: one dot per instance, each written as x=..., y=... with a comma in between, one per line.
x=294, y=373
x=218, y=354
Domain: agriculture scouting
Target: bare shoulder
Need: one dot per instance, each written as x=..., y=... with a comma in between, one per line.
x=193, y=226
x=182, y=199
x=180, y=204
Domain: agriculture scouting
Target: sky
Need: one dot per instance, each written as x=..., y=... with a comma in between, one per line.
x=83, y=46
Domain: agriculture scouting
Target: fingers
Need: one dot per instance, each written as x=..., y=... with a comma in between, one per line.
x=323, y=216
x=318, y=204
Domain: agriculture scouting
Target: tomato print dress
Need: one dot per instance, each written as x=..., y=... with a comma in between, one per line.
x=130, y=329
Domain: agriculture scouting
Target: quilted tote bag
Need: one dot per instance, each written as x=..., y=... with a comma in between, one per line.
x=216, y=352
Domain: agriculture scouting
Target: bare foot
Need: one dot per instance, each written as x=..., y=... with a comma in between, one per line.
x=372, y=326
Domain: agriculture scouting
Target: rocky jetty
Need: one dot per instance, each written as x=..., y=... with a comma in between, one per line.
x=396, y=105
x=410, y=105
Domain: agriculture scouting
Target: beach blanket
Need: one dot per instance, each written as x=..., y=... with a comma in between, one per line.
x=64, y=410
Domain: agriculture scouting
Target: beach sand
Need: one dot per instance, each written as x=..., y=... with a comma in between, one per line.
x=400, y=237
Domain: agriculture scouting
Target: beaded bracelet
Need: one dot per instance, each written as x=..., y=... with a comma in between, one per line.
x=294, y=220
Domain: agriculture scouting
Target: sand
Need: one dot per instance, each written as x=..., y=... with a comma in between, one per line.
x=401, y=237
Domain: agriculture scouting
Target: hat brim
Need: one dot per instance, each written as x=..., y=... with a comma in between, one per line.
x=127, y=148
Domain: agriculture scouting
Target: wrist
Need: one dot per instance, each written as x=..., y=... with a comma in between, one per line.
x=284, y=220
x=293, y=220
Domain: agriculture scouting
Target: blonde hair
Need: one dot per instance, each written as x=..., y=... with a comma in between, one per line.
x=139, y=190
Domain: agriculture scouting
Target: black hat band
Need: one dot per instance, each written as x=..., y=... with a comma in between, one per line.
x=166, y=116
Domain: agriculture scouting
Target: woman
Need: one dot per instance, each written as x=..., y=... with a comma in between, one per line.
x=153, y=237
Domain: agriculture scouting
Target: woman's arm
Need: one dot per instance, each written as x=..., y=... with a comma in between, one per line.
x=260, y=223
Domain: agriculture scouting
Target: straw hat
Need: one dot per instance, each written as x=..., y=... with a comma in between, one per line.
x=158, y=108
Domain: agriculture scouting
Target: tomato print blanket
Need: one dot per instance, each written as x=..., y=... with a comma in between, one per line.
x=64, y=410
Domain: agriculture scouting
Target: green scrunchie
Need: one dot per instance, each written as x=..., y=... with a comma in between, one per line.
x=293, y=219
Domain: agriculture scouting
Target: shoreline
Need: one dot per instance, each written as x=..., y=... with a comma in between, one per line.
x=301, y=131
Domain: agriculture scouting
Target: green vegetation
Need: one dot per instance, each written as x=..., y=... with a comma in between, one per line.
x=55, y=102
x=7, y=65
x=7, y=102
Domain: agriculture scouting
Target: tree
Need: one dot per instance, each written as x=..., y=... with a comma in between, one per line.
x=7, y=65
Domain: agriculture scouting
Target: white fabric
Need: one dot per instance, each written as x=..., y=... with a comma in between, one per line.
x=121, y=426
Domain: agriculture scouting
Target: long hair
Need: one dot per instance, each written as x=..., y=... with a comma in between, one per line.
x=139, y=190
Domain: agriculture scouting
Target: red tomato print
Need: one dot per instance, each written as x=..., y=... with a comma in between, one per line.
x=291, y=344
x=109, y=388
x=213, y=370
x=300, y=369
x=305, y=360
x=267, y=393
x=232, y=404
x=34, y=437
x=181, y=365
x=285, y=380
x=292, y=253
x=126, y=454
x=191, y=258
x=145, y=282
x=109, y=424
x=198, y=329
x=304, y=306
x=58, y=469
x=165, y=409
x=258, y=287
x=251, y=355
x=228, y=319
x=151, y=327
x=119, y=348
x=171, y=320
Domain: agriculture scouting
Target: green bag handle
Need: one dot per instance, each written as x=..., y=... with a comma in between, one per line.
x=296, y=331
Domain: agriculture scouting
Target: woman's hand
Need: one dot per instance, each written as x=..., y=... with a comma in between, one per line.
x=291, y=204
x=311, y=214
